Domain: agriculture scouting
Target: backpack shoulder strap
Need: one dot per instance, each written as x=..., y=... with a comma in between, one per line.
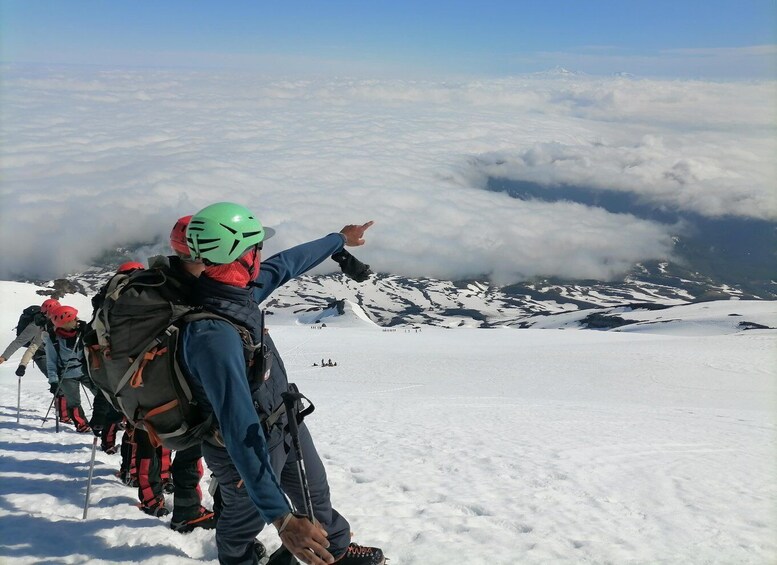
x=55, y=342
x=245, y=335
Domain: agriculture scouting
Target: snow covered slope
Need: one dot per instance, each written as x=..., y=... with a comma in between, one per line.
x=15, y=297
x=504, y=446
x=704, y=318
x=343, y=313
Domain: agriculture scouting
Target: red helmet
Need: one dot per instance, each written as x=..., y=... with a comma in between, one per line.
x=62, y=315
x=48, y=305
x=130, y=266
x=178, y=236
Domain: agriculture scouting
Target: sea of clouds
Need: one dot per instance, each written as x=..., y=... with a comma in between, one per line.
x=93, y=159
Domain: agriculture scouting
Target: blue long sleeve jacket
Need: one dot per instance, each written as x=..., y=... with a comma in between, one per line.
x=65, y=359
x=213, y=356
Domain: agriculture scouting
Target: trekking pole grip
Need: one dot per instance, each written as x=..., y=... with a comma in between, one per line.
x=290, y=402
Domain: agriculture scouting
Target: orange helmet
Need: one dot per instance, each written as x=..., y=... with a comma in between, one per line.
x=48, y=305
x=130, y=266
x=178, y=236
x=62, y=315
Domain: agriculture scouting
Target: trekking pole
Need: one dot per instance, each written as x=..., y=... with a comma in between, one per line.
x=290, y=400
x=89, y=481
x=18, y=399
x=282, y=556
x=46, y=417
x=53, y=400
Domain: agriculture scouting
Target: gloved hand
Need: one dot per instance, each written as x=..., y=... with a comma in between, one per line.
x=20, y=370
x=96, y=425
x=351, y=266
x=53, y=387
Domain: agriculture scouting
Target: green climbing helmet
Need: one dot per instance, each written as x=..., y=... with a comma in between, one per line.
x=222, y=232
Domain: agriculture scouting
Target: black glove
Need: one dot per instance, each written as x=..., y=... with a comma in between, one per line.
x=54, y=388
x=97, y=425
x=20, y=370
x=351, y=266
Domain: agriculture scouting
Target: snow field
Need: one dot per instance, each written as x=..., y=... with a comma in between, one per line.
x=443, y=446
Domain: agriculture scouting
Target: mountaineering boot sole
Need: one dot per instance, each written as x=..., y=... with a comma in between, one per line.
x=158, y=511
x=206, y=520
x=361, y=555
x=354, y=555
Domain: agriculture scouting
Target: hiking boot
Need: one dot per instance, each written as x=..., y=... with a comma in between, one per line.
x=83, y=428
x=361, y=555
x=65, y=420
x=168, y=486
x=126, y=478
x=157, y=510
x=205, y=519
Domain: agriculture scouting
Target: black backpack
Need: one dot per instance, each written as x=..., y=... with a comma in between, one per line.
x=132, y=351
x=27, y=317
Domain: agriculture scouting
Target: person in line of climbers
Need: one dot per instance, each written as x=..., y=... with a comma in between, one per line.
x=106, y=421
x=251, y=457
x=143, y=466
x=33, y=323
x=187, y=469
x=29, y=331
x=65, y=363
x=153, y=465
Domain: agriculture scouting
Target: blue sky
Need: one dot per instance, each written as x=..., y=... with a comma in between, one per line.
x=683, y=38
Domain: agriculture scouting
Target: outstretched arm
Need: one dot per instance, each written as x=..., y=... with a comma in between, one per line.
x=26, y=335
x=291, y=263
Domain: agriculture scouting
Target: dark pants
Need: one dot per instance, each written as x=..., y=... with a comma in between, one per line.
x=186, y=469
x=103, y=414
x=187, y=472
x=148, y=467
x=239, y=522
x=71, y=388
x=40, y=362
x=62, y=408
x=128, y=470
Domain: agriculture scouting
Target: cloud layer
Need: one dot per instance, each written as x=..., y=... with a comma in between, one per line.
x=95, y=159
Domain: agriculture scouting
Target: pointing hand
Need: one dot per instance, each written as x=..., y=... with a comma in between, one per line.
x=354, y=235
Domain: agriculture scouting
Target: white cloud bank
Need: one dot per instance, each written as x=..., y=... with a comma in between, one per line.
x=94, y=159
